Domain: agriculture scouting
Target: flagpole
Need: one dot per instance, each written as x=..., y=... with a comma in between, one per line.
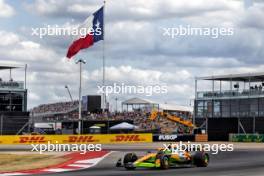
x=104, y=96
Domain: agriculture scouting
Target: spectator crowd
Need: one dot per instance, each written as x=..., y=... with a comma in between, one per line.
x=60, y=107
x=65, y=111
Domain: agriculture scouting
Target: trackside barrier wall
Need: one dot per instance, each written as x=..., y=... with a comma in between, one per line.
x=173, y=137
x=246, y=137
x=76, y=139
x=220, y=128
x=180, y=137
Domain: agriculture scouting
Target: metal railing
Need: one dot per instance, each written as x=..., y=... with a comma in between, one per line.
x=228, y=94
x=5, y=85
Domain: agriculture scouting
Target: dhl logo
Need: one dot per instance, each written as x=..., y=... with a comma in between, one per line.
x=31, y=139
x=80, y=139
x=127, y=138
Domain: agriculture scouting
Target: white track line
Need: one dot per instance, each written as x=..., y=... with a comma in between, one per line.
x=14, y=173
x=94, y=161
x=58, y=170
x=81, y=164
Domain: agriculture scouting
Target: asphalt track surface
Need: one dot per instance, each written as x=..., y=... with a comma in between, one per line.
x=236, y=163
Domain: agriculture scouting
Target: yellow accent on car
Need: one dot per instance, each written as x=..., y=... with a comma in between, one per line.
x=145, y=157
x=157, y=162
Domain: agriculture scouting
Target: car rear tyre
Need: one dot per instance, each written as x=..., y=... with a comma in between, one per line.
x=164, y=161
x=201, y=159
x=129, y=159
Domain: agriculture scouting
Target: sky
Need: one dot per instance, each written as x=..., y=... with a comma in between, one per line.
x=136, y=50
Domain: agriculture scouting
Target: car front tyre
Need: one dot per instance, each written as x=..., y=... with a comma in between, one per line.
x=129, y=159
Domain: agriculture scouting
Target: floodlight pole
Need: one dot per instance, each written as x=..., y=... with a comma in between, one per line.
x=80, y=61
x=67, y=87
x=116, y=104
x=25, y=76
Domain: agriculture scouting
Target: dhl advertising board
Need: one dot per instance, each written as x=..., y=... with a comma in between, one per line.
x=76, y=139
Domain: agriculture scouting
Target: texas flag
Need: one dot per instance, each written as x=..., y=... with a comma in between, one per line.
x=90, y=32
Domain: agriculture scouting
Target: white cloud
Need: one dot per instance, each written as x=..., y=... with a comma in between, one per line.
x=126, y=9
x=45, y=7
x=128, y=74
x=177, y=82
x=5, y=9
x=250, y=17
x=30, y=44
x=80, y=8
x=48, y=71
x=8, y=38
x=136, y=50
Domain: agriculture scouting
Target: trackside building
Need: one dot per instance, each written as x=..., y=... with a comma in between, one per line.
x=230, y=104
x=13, y=102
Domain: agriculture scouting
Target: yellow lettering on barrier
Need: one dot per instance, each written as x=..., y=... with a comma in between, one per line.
x=127, y=138
x=23, y=139
x=33, y=139
x=81, y=139
x=76, y=139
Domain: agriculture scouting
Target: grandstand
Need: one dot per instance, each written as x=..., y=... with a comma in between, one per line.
x=49, y=110
x=67, y=114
